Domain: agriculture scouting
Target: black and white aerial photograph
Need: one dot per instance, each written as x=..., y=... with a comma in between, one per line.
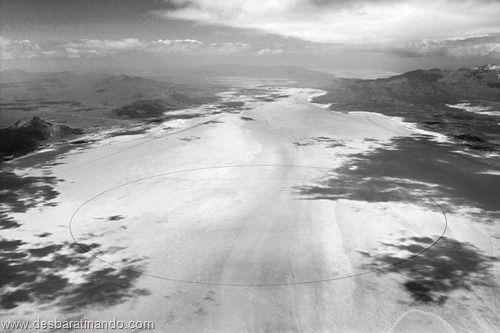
x=250, y=166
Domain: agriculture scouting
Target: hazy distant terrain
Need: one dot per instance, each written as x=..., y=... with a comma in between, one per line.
x=90, y=102
x=82, y=94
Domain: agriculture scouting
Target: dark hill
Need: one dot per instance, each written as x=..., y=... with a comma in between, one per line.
x=28, y=134
x=426, y=87
x=154, y=108
x=423, y=96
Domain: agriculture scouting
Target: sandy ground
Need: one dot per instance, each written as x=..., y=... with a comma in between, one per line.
x=212, y=216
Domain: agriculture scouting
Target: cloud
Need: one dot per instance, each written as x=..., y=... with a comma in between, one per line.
x=179, y=46
x=91, y=48
x=104, y=47
x=477, y=46
x=269, y=53
x=346, y=22
x=13, y=49
x=227, y=48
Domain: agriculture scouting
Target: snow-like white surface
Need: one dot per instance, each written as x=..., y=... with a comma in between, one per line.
x=411, y=127
x=490, y=172
x=475, y=109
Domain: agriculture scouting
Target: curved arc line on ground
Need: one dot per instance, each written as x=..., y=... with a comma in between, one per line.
x=375, y=270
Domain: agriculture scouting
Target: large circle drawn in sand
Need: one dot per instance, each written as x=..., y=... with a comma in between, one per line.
x=245, y=225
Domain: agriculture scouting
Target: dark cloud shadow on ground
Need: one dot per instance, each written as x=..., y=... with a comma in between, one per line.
x=414, y=170
x=18, y=194
x=7, y=222
x=447, y=266
x=104, y=287
x=409, y=169
x=37, y=275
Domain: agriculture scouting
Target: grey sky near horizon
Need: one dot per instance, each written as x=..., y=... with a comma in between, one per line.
x=152, y=35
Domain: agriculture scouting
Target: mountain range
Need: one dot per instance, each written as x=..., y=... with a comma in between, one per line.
x=90, y=89
x=420, y=86
x=427, y=97
x=424, y=97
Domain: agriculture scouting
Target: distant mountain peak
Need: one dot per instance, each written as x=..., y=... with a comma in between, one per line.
x=123, y=77
x=29, y=133
x=33, y=122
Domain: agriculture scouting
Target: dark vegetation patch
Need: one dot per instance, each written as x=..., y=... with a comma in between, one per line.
x=409, y=168
x=447, y=266
x=31, y=276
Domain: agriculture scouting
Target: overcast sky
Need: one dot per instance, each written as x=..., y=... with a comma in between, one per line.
x=341, y=35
